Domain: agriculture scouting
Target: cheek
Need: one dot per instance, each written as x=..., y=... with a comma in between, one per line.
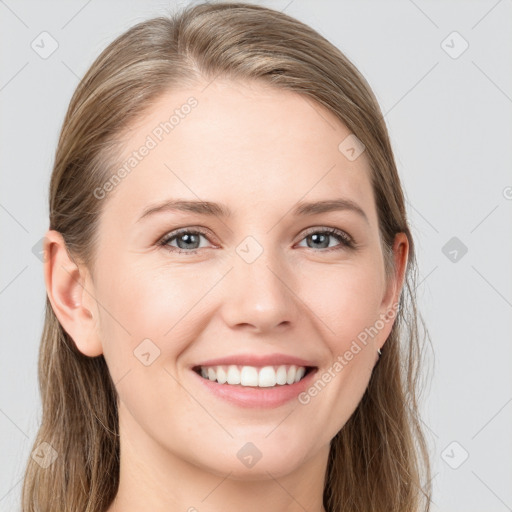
x=347, y=304
x=147, y=320
x=143, y=302
x=345, y=300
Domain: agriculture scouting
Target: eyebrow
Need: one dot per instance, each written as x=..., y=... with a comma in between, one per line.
x=218, y=210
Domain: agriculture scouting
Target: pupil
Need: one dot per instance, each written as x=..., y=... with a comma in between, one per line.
x=316, y=236
x=186, y=237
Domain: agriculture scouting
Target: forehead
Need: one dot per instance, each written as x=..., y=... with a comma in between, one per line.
x=247, y=145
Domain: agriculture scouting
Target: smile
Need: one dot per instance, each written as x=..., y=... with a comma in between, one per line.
x=254, y=376
x=260, y=387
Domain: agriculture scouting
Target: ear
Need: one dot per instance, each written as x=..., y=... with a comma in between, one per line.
x=69, y=290
x=395, y=281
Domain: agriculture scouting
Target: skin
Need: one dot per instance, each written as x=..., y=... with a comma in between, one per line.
x=259, y=151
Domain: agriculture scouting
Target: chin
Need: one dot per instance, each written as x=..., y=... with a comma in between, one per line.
x=262, y=470
x=254, y=461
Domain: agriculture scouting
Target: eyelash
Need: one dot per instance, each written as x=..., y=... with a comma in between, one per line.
x=346, y=241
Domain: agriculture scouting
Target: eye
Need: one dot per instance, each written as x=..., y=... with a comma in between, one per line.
x=320, y=239
x=186, y=239
x=189, y=240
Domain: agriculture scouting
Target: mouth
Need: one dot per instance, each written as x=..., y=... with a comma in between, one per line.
x=254, y=376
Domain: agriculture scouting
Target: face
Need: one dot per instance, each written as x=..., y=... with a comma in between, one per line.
x=259, y=280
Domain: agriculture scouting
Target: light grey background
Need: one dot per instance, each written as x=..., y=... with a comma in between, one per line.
x=450, y=125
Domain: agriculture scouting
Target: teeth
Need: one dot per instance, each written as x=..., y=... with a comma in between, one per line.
x=264, y=377
x=221, y=375
x=249, y=376
x=233, y=375
x=300, y=373
x=290, y=377
x=267, y=377
x=281, y=375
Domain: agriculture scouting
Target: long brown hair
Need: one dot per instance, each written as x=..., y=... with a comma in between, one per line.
x=379, y=459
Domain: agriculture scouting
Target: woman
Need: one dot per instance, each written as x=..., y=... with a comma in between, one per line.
x=230, y=320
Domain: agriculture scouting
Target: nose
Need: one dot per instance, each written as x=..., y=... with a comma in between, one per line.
x=259, y=296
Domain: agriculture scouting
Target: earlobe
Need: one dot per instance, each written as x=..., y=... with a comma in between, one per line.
x=69, y=294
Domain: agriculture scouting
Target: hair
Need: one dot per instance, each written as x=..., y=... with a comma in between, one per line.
x=379, y=460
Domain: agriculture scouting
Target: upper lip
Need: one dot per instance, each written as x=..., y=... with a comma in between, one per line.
x=257, y=360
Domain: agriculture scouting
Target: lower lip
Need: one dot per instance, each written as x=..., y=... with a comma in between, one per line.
x=255, y=397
